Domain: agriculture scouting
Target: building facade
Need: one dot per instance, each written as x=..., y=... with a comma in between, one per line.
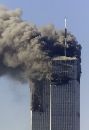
x=60, y=98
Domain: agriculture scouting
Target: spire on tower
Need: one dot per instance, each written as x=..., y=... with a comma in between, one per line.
x=65, y=35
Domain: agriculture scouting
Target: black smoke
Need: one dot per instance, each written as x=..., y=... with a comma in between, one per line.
x=26, y=51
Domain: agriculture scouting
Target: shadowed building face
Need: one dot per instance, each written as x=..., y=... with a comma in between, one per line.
x=65, y=98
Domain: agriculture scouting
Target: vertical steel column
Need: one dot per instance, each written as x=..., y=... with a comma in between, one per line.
x=50, y=107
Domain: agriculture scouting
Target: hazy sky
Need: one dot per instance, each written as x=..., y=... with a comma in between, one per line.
x=14, y=100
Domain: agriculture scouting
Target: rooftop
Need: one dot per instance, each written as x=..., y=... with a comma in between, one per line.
x=64, y=58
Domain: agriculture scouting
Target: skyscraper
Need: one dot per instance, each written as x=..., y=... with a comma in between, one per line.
x=60, y=99
x=56, y=102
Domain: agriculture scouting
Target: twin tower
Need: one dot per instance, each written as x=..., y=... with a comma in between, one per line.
x=59, y=101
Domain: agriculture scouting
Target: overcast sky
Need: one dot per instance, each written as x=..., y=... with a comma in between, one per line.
x=14, y=100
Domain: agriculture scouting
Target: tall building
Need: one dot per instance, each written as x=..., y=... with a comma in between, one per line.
x=56, y=103
x=59, y=105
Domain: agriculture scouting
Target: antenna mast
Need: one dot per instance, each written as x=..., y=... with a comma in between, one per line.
x=65, y=35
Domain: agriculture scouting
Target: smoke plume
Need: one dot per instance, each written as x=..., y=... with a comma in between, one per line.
x=26, y=51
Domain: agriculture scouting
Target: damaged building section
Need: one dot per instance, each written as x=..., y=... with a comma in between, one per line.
x=62, y=73
x=37, y=97
x=63, y=68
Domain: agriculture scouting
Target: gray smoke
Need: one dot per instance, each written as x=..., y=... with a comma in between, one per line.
x=26, y=51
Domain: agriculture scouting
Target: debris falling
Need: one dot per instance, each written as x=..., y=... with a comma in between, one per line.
x=26, y=51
